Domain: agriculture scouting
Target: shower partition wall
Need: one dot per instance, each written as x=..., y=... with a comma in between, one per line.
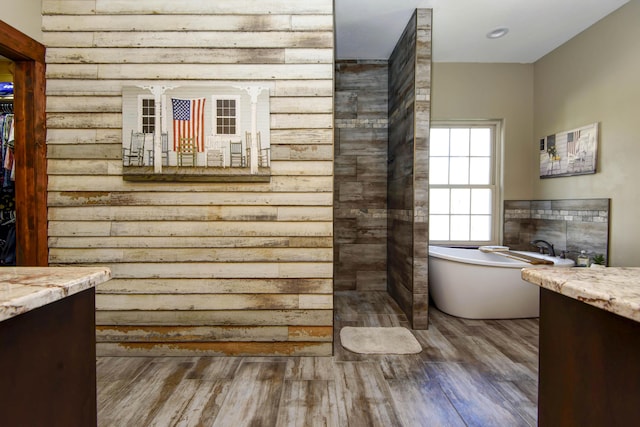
x=408, y=173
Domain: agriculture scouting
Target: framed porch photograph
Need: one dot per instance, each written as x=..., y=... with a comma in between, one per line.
x=196, y=133
x=568, y=153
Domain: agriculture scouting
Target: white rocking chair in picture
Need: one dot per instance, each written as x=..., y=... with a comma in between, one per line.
x=134, y=155
x=236, y=157
x=264, y=154
x=215, y=153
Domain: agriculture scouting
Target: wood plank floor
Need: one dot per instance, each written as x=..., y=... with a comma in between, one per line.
x=470, y=372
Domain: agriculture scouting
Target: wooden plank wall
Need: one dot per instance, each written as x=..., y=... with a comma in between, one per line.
x=199, y=268
x=408, y=182
x=360, y=197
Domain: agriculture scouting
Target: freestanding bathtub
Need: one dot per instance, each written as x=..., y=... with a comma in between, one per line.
x=473, y=284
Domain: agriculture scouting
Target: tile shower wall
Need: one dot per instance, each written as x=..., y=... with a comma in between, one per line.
x=408, y=175
x=382, y=111
x=360, y=196
x=572, y=225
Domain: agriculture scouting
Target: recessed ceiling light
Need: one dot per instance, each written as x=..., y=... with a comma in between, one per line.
x=497, y=33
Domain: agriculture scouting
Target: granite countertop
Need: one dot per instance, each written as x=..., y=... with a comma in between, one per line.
x=614, y=289
x=26, y=288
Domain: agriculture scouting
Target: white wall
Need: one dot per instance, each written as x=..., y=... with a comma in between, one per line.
x=595, y=78
x=25, y=15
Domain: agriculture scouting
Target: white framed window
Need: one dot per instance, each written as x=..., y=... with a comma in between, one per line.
x=464, y=182
x=146, y=114
x=226, y=115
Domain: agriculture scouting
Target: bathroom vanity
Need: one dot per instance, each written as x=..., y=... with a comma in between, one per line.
x=589, y=345
x=47, y=345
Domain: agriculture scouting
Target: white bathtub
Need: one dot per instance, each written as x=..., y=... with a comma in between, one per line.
x=477, y=285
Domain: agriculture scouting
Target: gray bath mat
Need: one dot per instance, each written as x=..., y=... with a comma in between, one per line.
x=376, y=340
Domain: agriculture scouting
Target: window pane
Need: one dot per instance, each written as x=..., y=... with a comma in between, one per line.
x=459, y=173
x=461, y=196
x=439, y=170
x=439, y=142
x=480, y=142
x=148, y=115
x=480, y=170
x=481, y=201
x=481, y=227
x=439, y=201
x=460, y=201
x=226, y=115
x=460, y=227
x=459, y=142
x=438, y=227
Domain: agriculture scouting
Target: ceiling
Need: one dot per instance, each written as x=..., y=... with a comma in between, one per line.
x=369, y=29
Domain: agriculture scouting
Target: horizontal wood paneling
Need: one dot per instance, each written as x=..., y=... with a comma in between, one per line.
x=215, y=302
x=193, y=39
x=78, y=104
x=250, y=254
x=265, y=7
x=194, y=213
x=198, y=267
x=178, y=196
x=217, y=348
x=162, y=55
x=84, y=136
x=189, y=71
x=303, y=136
x=76, y=87
x=191, y=228
x=216, y=286
x=218, y=317
x=197, y=22
x=191, y=270
x=213, y=333
x=189, y=242
x=289, y=105
x=94, y=188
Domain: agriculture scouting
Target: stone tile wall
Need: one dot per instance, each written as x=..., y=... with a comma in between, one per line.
x=408, y=175
x=571, y=225
x=360, y=182
x=382, y=117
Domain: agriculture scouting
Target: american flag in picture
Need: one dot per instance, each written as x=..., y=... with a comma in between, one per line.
x=188, y=120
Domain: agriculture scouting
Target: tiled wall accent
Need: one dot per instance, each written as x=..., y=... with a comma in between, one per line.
x=360, y=196
x=409, y=117
x=571, y=225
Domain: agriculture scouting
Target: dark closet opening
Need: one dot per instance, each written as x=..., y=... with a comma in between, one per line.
x=30, y=144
